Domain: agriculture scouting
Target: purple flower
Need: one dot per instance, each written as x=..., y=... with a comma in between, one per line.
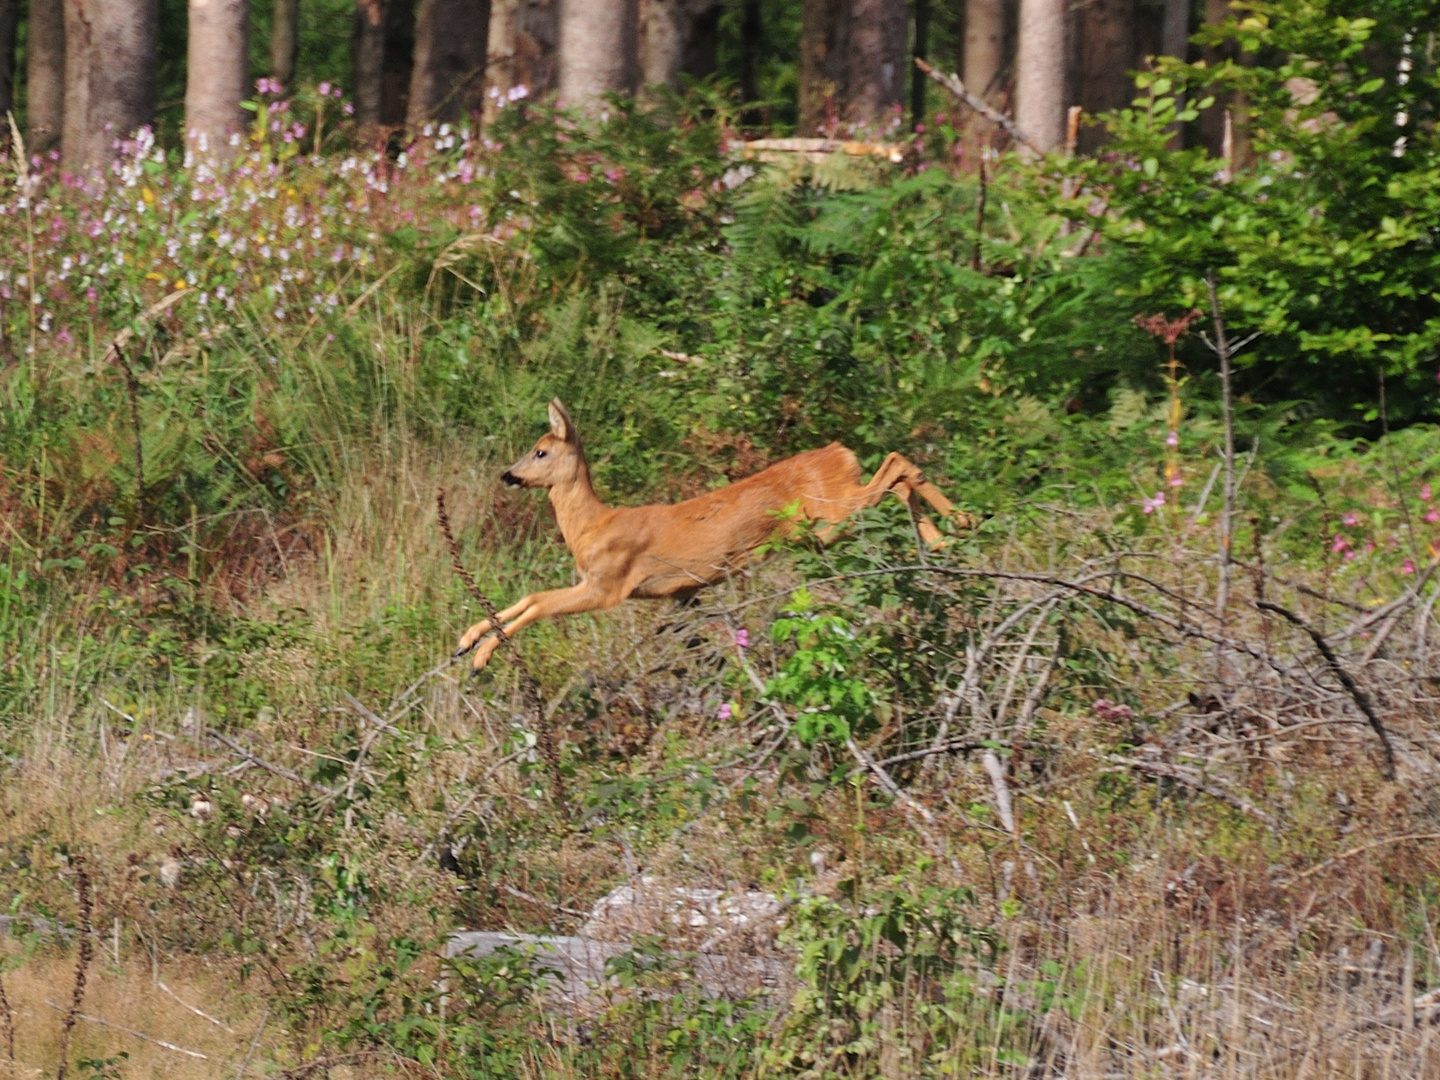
x=726, y=712
x=742, y=639
x=1173, y=439
x=1151, y=505
x=62, y=336
x=324, y=89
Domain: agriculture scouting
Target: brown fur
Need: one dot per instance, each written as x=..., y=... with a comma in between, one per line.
x=657, y=551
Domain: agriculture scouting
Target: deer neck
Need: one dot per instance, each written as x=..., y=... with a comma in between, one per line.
x=576, y=506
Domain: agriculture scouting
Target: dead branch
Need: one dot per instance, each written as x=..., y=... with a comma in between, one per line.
x=1360, y=850
x=1362, y=700
x=82, y=963
x=953, y=84
x=544, y=731
x=1192, y=778
x=128, y=1030
x=278, y=770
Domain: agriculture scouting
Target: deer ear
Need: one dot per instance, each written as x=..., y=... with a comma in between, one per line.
x=561, y=426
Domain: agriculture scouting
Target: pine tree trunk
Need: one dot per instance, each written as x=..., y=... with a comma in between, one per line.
x=523, y=34
x=9, y=19
x=284, y=41
x=677, y=36
x=918, y=82
x=368, y=47
x=383, y=47
x=399, y=61
x=1107, y=56
x=1040, y=72
x=824, y=37
x=984, y=46
x=45, y=75
x=1175, y=35
x=450, y=45
x=110, y=66
x=598, y=50
x=752, y=31
x=876, y=62
x=217, y=75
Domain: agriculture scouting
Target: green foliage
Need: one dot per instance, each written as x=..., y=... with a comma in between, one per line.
x=1324, y=242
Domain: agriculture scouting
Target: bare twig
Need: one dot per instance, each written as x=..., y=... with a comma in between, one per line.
x=82, y=963
x=72, y=1016
x=544, y=731
x=191, y=1008
x=250, y=1053
x=1227, y=512
x=1362, y=700
x=1192, y=778
x=278, y=770
x=1319, y=868
x=996, y=771
x=7, y=1026
x=953, y=84
x=921, y=818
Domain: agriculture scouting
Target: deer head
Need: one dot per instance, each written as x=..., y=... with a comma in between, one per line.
x=556, y=461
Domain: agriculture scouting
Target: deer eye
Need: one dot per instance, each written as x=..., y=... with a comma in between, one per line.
x=539, y=453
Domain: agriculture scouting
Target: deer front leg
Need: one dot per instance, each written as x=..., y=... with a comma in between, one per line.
x=480, y=629
x=572, y=601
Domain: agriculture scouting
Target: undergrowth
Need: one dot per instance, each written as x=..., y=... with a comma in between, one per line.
x=1079, y=793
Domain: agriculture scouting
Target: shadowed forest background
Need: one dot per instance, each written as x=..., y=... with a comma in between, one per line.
x=1139, y=776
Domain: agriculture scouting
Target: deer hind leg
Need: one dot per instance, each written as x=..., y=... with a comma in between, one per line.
x=584, y=597
x=901, y=477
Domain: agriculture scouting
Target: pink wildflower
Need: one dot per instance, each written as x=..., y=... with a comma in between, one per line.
x=324, y=89
x=1173, y=439
x=1351, y=518
x=1408, y=566
x=742, y=639
x=1433, y=515
x=1151, y=505
x=1341, y=543
x=1425, y=492
x=726, y=712
x=62, y=336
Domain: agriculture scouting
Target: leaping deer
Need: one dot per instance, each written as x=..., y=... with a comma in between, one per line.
x=657, y=551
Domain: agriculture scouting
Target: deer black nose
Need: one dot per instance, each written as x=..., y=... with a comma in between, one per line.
x=509, y=479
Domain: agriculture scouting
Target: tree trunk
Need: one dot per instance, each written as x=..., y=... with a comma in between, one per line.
x=451, y=38
x=984, y=46
x=368, y=46
x=110, y=68
x=598, y=50
x=383, y=45
x=45, y=75
x=1107, y=56
x=284, y=41
x=1175, y=34
x=752, y=32
x=399, y=61
x=1040, y=72
x=217, y=75
x=677, y=36
x=522, y=49
x=918, y=82
x=876, y=61
x=824, y=37
x=9, y=18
